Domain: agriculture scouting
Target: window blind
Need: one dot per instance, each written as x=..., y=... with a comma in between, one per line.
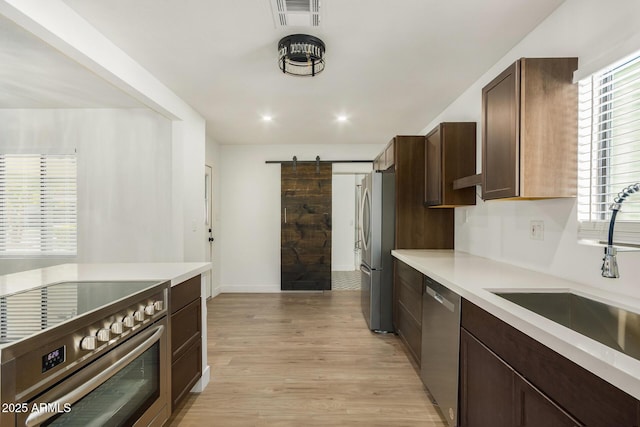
x=38, y=198
x=609, y=151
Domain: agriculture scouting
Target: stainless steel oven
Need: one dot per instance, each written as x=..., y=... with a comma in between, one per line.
x=103, y=362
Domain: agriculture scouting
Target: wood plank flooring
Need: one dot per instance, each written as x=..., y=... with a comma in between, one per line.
x=303, y=359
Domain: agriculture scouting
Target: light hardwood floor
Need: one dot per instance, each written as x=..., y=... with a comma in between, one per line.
x=303, y=359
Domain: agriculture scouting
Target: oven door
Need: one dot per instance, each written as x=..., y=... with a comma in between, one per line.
x=127, y=386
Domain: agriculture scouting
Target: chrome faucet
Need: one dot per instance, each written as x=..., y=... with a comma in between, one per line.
x=609, y=263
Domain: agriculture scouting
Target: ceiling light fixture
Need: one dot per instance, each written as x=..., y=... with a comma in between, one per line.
x=301, y=55
x=267, y=118
x=342, y=118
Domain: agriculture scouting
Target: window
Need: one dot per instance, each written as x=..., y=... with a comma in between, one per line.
x=609, y=151
x=37, y=205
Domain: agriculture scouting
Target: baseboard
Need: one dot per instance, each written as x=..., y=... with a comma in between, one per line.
x=202, y=382
x=216, y=291
x=343, y=268
x=256, y=289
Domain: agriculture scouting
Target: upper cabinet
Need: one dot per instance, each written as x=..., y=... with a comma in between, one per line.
x=529, y=130
x=417, y=227
x=386, y=158
x=450, y=154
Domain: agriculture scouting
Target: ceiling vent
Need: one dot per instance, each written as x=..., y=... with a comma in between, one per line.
x=296, y=13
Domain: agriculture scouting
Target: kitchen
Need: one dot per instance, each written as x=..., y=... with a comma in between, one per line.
x=496, y=230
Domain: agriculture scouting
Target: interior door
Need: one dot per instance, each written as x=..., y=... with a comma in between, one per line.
x=208, y=226
x=305, y=253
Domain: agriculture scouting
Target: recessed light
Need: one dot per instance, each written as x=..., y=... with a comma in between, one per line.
x=342, y=118
x=267, y=118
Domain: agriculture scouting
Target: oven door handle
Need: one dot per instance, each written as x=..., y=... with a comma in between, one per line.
x=140, y=343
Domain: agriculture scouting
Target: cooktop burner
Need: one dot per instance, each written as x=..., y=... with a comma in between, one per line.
x=26, y=313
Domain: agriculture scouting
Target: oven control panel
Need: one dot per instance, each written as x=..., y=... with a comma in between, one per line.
x=128, y=320
x=53, y=358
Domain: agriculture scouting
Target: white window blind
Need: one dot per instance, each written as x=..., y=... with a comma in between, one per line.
x=609, y=151
x=38, y=205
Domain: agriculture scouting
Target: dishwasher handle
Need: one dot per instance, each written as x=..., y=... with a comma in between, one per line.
x=441, y=300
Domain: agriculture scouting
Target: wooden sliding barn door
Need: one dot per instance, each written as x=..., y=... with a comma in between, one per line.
x=305, y=253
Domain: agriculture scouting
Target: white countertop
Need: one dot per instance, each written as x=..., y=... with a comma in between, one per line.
x=176, y=272
x=473, y=278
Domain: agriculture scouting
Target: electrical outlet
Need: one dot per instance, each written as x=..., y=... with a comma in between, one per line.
x=536, y=230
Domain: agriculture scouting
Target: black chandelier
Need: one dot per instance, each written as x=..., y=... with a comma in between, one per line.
x=301, y=55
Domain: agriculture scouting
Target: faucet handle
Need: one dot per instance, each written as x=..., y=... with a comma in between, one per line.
x=610, y=264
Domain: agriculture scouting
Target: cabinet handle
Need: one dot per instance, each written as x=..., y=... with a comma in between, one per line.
x=285, y=215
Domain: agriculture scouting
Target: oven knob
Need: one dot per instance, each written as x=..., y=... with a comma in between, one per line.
x=149, y=310
x=116, y=328
x=103, y=335
x=89, y=342
x=128, y=321
x=158, y=305
x=138, y=316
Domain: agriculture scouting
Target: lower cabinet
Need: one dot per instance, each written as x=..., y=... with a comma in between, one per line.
x=509, y=379
x=407, y=307
x=493, y=394
x=186, y=338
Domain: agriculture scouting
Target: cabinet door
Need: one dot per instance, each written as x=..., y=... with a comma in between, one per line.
x=533, y=409
x=389, y=155
x=433, y=169
x=500, y=135
x=486, y=386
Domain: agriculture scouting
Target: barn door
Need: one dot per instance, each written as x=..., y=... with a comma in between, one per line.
x=305, y=253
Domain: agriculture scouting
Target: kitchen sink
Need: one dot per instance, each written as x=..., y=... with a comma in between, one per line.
x=612, y=326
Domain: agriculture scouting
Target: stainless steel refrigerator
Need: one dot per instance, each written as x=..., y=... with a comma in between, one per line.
x=377, y=235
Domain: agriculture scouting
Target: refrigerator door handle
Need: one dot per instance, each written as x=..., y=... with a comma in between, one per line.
x=365, y=270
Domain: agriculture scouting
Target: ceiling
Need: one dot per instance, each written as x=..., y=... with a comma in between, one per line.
x=391, y=67
x=34, y=75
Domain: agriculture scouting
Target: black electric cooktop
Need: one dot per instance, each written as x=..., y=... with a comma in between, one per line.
x=26, y=313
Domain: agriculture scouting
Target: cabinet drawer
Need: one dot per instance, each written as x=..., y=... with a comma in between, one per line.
x=409, y=275
x=410, y=332
x=185, y=292
x=409, y=291
x=185, y=372
x=186, y=328
x=411, y=298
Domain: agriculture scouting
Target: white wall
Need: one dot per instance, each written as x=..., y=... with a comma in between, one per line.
x=250, y=209
x=499, y=229
x=343, y=211
x=61, y=27
x=124, y=179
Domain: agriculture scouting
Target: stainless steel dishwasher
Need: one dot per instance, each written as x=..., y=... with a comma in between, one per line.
x=441, y=346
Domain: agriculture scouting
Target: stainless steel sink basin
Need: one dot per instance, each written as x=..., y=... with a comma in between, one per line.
x=612, y=326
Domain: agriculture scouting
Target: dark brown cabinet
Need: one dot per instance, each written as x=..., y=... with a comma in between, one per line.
x=532, y=408
x=493, y=394
x=186, y=338
x=486, y=386
x=529, y=130
x=417, y=227
x=407, y=307
x=386, y=158
x=450, y=154
x=507, y=375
